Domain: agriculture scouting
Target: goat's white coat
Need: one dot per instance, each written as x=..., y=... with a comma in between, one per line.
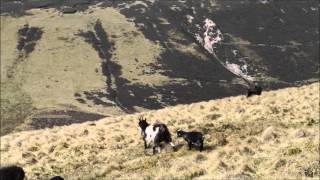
x=151, y=135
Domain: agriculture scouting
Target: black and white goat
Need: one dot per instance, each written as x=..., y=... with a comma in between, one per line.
x=154, y=134
x=193, y=138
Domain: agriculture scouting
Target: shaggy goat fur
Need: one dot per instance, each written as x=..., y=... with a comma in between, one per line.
x=12, y=173
x=153, y=135
x=194, y=139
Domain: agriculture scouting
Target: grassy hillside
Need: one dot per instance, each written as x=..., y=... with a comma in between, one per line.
x=63, y=71
x=274, y=135
x=114, y=57
x=111, y=57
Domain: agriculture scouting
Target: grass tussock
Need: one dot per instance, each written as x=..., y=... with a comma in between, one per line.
x=273, y=135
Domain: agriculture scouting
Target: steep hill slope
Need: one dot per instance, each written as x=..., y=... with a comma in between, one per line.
x=111, y=57
x=274, y=135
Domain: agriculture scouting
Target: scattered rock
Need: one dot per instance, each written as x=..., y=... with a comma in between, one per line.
x=27, y=155
x=148, y=152
x=274, y=110
x=223, y=166
x=85, y=132
x=239, y=110
x=252, y=140
x=269, y=134
x=212, y=116
x=240, y=176
x=311, y=121
x=221, y=140
x=293, y=151
x=80, y=100
x=301, y=133
x=200, y=157
x=33, y=148
x=167, y=148
x=280, y=163
x=31, y=161
x=248, y=151
x=18, y=144
x=246, y=168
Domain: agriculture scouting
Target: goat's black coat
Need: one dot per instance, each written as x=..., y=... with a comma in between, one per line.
x=193, y=138
x=12, y=173
x=163, y=135
x=57, y=178
x=17, y=173
x=256, y=90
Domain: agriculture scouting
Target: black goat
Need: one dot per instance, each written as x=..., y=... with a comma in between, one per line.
x=11, y=173
x=153, y=135
x=17, y=173
x=193, y=138
x=57, y=178
x=256, y=90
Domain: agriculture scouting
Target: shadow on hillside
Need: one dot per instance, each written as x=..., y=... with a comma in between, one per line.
x=284, y=42
x=49, y=119
x=283, y=34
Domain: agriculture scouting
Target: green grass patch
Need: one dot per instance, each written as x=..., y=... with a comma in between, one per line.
x=16, y=105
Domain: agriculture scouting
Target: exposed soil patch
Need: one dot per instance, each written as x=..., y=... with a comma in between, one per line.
x=50, y=119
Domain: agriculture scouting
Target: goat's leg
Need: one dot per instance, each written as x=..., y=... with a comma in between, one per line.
x=153, y=150
x=145, y=144
x=201, y=146
x=190, y=145
x=159, y=149
x=171, y=143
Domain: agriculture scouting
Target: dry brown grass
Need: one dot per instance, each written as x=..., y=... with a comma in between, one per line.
x=275, y=135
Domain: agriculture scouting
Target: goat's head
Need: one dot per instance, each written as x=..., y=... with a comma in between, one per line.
x=57, y=178
x=143, y=124
x=180, y=133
